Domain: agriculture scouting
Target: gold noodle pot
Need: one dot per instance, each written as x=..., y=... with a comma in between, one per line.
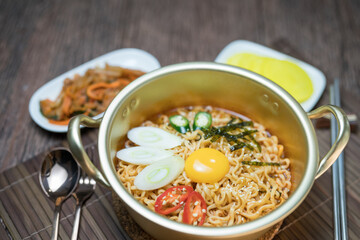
x=228, y=87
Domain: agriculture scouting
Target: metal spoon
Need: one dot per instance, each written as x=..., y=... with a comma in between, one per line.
x=58, y=177
x=83, y=192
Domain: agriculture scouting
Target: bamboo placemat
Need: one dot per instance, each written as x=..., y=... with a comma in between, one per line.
x=25, y=212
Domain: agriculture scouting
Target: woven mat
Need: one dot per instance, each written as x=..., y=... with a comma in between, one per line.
x=25, y=212
x=134, y=232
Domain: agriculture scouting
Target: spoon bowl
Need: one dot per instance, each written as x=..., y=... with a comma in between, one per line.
x=59, y=176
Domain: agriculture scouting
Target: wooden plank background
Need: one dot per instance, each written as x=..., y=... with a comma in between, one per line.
x=40, y=40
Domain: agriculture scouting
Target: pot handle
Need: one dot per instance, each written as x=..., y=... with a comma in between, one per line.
x=342, y=138
x=77, y=148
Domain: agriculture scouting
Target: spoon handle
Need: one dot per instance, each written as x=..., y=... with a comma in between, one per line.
x=75, y=231
x=55, y=230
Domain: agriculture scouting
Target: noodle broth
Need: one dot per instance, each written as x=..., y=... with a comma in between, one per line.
x=245, y=193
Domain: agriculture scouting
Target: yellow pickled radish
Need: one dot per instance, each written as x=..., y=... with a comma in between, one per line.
x=285, y=73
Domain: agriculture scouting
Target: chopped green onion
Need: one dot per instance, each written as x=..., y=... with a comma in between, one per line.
x=202, y=120
x=260, y=163
x=154, y=137
x=143, y=155
x=180, y=123
x=159, y=173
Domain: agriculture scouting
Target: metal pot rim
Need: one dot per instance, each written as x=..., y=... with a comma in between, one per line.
x=253, y=226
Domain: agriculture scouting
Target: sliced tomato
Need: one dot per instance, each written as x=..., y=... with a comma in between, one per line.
x=172, y=199
x=195, y=209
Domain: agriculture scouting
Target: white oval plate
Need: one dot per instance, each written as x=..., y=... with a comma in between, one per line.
x=317, y=77
x=127, y=57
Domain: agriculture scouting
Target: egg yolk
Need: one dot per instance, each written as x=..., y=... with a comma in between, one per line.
x=206, y=165
x=285, y=73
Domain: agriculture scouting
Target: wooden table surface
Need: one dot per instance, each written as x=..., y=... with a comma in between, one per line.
x=43, y=39
x=40, y=40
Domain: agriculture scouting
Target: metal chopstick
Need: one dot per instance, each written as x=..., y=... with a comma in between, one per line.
x=335, y=174
x=340, y=217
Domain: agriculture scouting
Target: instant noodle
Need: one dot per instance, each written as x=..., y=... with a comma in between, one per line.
x=258, y=179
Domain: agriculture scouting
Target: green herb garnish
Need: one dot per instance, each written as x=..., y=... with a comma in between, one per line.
x=241, y=145
x=260, y=163
x=238, y=140
x=256, y=143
